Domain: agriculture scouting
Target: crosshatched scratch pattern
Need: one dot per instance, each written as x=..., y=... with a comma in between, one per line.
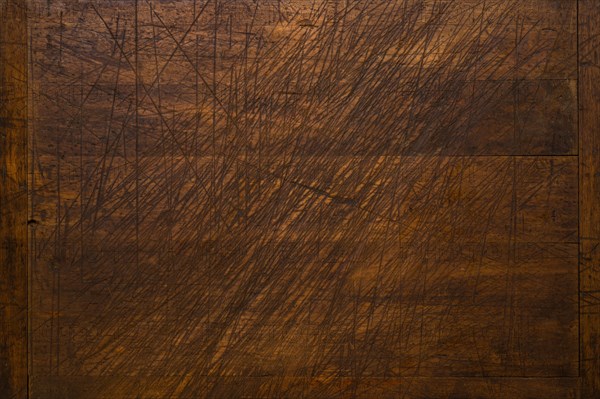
x=302, y=198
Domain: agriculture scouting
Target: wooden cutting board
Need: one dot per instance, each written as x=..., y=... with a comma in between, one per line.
x=300, y=199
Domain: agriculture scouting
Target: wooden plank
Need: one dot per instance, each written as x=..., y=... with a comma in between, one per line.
x=589, y=196
x=109, y=387
x=13, y=199
x=527, y=327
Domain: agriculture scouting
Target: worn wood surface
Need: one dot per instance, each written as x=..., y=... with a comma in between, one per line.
x=589, y=195
x=311, y=199
x=13, y=199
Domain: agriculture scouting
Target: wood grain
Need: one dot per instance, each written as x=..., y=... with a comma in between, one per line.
x=589, y=195
x=304, y=199
x=298, y=387
x=13, y=199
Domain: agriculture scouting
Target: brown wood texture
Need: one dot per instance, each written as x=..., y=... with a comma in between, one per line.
x=302, y=199
x=589, y=186
x=13, y=199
